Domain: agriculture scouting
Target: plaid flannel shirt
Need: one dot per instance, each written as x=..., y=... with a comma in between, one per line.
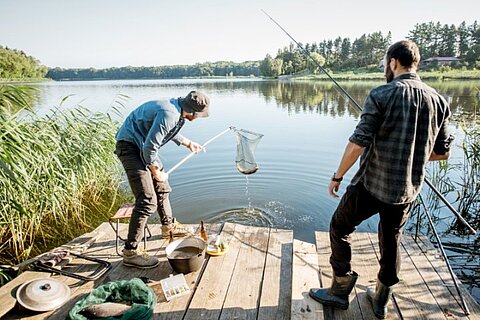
x=401, y=123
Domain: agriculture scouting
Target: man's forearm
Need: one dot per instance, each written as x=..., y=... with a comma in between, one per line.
x=350, y=156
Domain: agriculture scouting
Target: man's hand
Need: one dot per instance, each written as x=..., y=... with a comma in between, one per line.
x=193, y=146
x=333, y=188
x=159, y=175
x=352, y=152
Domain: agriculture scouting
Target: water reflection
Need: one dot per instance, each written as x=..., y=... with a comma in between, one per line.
x=320, y=97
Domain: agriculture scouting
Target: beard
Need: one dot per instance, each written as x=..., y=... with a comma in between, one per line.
x=388, y=73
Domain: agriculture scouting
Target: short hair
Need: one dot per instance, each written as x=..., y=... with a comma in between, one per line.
x=406, y=52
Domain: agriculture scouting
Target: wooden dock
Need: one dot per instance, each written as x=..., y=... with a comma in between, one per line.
x=266, y=274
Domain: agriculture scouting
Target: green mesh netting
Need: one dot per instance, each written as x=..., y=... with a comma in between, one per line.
x=247, y=142
x=143, y=299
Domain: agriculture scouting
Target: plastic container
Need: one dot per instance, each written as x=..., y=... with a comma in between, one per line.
x=174, y=286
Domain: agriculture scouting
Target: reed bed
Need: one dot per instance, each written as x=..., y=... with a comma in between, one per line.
x=469, y=193
x=58, y=178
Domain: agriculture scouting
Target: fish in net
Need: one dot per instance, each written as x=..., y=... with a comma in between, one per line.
x=247, y=142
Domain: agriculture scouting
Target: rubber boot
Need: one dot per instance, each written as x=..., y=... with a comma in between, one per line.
x=337, y=295
x=379, y=299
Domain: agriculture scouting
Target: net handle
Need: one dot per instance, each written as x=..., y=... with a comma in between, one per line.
x=203, y=148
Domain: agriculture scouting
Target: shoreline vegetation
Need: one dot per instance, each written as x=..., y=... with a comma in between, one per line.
x=58, y=176
x=453, y=74
x=424, y=75
x=23, y=81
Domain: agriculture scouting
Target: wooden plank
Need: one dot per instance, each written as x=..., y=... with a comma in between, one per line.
x=107, y=252
x=411, y=295
x=431, y=278
x=324, y=251
x=435, y=259
x=155, y=245
x=212, y=289
x=8, y=292
x=74, y=284
x=276, y=295
x=243, y=293
x=305, y=276
x=365, y=263
x=176, y=309
x=104, y=248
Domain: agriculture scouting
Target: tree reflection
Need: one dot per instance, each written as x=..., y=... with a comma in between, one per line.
x=323, y=97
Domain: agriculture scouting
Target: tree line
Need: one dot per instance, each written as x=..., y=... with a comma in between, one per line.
x=208, y=69
x=437, y=40
x=365, y=53
x=16, y=64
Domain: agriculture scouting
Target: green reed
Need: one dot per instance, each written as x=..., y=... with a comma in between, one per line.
x=58, y=175
x=469, y=191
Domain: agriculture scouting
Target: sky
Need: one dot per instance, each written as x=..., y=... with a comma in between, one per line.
x=114, y=33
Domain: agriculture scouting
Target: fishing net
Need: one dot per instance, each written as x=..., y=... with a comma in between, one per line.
x=134, y=291
x=247, y=142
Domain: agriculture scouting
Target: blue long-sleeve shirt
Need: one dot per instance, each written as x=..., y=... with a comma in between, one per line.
x=150, y=126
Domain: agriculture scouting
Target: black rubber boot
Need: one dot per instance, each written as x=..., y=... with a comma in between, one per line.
x=379, y=299
x=337, y=295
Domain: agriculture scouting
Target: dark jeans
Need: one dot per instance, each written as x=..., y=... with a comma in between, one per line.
x=357, y=205
x=149, y=193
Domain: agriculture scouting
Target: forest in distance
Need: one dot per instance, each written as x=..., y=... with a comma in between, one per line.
x=361, y=55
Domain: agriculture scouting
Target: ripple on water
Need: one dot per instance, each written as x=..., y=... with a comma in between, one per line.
x=248, y=216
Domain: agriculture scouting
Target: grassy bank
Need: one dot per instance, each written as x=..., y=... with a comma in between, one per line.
x=426, y=75
x=58, y=177
x=23, y=80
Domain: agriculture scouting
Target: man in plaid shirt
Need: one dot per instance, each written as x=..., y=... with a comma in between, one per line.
x=403, y=125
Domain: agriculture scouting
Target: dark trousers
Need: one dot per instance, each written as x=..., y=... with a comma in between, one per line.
x=357, y=205
x=149, y=193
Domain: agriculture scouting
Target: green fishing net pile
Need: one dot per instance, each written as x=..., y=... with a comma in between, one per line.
x=135, y=291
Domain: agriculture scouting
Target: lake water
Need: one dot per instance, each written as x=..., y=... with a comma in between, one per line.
x=305, y=125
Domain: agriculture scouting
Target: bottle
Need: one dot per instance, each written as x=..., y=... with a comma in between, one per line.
x=203, y=233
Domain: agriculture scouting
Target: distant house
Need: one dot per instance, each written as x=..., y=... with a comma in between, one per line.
x=442, y=61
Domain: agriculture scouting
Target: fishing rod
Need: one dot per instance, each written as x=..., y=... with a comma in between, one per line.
x=339, y=87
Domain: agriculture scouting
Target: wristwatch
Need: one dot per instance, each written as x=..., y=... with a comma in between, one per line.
x=336, y=179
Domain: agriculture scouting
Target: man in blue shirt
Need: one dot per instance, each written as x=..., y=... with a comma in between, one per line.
x=144, y=132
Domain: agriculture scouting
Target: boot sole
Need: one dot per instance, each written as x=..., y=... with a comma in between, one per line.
x=329, y=303
x=140, y=267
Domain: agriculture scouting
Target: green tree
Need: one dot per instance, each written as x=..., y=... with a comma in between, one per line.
x=313, y=66
x=463, y=39
x=16, y=64
x=345, y=52
x=448, y=41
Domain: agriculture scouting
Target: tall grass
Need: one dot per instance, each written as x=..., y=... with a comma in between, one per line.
x=469, y=191
x=58, y=177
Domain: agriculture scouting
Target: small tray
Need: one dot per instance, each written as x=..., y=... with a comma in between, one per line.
x=216, y=253
x=174, y=286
